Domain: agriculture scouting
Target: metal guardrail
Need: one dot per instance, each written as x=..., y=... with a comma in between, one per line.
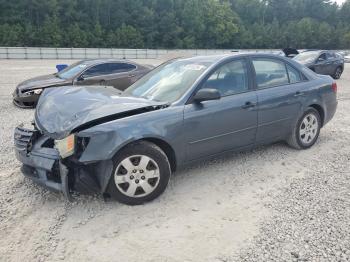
x=86, y=53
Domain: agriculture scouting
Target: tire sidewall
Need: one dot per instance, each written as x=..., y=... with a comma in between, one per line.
x=147, y=149
x=335, y=73
x=297, y=132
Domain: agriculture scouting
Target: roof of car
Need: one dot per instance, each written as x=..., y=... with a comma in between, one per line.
x=215, y=58
x=104, y=60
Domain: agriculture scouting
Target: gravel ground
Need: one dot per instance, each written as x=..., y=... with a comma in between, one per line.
x=270, y=204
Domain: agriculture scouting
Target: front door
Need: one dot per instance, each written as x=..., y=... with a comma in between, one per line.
x=228, y=123
x=95, y=75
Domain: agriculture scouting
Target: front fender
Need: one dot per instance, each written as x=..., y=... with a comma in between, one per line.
x=108, y=138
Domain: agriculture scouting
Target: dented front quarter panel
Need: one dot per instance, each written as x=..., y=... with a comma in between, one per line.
x=108, y=138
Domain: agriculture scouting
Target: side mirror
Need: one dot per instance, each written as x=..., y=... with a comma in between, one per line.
x=207, y=94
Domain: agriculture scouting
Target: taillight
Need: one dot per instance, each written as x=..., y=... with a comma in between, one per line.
x=334, y=87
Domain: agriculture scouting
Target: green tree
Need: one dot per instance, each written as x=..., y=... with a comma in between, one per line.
x=175, y=23
x=128, y=37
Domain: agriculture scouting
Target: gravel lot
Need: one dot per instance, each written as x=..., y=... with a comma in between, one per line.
x=270, y=204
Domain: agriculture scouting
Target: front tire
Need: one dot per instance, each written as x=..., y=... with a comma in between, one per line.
x=306, y=131
x=141, y=173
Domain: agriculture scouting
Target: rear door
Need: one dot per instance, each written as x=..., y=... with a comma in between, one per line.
x=217, y=126
x=322, y=64
x=121, y=75
x=331, y=63
x=280, y=92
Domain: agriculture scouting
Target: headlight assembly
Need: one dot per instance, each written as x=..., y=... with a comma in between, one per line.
x=32, y=92
x=66, y=146
x=38, y=91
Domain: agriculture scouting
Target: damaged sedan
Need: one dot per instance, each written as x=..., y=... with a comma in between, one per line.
x=126, y=144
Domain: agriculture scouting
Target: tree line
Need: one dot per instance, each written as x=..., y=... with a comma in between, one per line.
x=175, y=23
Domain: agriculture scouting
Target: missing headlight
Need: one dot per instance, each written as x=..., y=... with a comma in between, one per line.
x=82, y=143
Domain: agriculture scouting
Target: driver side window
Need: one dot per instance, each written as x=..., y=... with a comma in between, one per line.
x=322, y=57
x=229, y=79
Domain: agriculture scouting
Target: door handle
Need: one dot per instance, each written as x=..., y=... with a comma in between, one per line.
x=132, y=76
x=248, y=105
x=298, y=93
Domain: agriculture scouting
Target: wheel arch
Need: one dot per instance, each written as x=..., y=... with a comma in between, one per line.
x=320, y=110
x=167, y=149
x=162, y=144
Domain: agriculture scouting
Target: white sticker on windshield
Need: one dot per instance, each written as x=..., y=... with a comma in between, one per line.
x=194, y=67
x=82, y=66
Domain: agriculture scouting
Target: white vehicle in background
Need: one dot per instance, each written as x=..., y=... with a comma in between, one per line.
x=347, y=59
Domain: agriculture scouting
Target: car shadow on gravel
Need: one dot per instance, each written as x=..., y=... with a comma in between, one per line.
x=220, y=167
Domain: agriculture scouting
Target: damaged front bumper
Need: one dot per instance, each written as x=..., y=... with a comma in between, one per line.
x=41, y=162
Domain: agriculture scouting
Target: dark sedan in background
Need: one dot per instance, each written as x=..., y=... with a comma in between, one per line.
x=106, y=72
x=322, y=62
x=127, y=144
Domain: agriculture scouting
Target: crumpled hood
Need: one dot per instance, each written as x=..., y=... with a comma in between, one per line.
x=62, y=110
x=41, y=82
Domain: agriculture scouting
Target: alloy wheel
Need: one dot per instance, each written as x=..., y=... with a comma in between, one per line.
x=308, y=129
x=137, y=176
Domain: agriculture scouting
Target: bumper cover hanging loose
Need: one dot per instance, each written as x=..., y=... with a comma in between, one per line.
x=41, y=164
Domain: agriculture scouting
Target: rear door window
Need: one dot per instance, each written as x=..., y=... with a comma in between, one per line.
x=331, y=56
x=270, y=73
x=294, y=75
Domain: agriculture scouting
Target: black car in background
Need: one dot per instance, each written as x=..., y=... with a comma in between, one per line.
x=106, y=72
x=322, y=62
x=290, y=52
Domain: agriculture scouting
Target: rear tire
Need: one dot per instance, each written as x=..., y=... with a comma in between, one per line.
x=306, y=131
x=141, y=173
x=338, y=72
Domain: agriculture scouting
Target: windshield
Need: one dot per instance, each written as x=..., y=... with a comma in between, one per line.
x=170, y=81
x=307, y=57
x=72, y=70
